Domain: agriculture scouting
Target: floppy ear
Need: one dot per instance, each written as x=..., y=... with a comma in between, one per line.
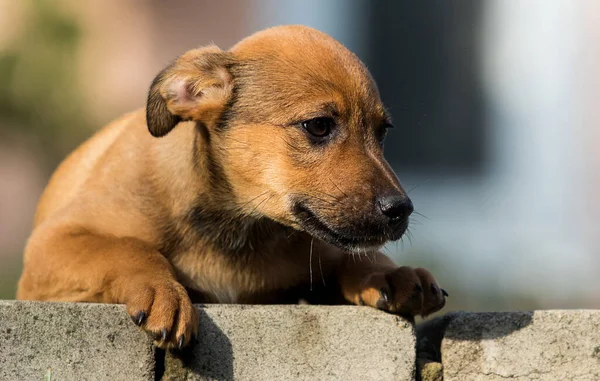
x=197, y=86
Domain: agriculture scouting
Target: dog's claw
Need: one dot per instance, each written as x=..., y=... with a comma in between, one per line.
x=434, y=289
x=163, y=334
x=418, y=288
x=180, y=341
x=444, y=292
x=139, y=318
x=384, y=294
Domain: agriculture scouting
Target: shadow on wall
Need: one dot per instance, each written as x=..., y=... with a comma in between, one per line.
x=211, y=347
x=431, y=333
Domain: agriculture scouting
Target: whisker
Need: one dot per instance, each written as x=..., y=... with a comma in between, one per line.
x=289, y=144
x=310, y=262
x=254, y=198
x=321, y=270
x=420, y=214
x=261, y=203
x=328, y=195
x=413, y=188
x=409, y=236
x=338, y=188
x=386, y=250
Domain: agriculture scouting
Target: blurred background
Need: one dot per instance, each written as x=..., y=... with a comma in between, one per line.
x=495, y=104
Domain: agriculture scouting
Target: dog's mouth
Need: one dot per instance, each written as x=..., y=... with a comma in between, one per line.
x=315, y=226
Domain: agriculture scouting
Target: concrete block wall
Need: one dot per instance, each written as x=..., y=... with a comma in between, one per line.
x=71, y=341
x=520, y=346
x=63, y=341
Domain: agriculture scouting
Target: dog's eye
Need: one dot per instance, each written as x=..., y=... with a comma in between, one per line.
x=318, y=127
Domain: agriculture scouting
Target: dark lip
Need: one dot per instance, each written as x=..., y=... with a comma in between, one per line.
x=319, y=229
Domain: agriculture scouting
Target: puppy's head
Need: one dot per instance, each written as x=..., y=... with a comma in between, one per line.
x=295, y=124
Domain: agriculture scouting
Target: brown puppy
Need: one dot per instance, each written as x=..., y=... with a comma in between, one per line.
x=263, y=166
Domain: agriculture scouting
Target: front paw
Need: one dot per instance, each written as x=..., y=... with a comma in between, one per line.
x=403, y=291
x=163, y=309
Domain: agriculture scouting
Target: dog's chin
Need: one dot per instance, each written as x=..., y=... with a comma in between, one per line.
x=316, y=227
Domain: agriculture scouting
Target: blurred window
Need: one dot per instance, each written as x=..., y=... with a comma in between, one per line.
x=425, y=61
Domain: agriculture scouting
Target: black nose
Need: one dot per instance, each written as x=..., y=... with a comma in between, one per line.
x=395, y=207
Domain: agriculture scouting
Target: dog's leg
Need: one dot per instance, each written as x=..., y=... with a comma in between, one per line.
x=77, y=265
x=377, y=282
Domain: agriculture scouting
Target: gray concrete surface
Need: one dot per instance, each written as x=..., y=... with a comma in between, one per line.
x=296, y=343
x=73, y=341
x=541, y=345
x=69, y=341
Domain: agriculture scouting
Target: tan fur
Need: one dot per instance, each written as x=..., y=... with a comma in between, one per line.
x=212, y=203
